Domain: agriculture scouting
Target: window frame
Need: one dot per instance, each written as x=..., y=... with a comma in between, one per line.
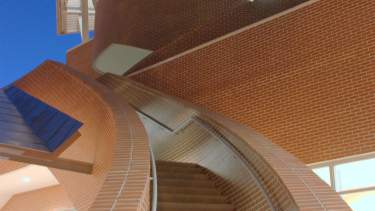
x=331, y=165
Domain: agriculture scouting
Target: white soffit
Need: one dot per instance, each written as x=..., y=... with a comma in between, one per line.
x=118, y=59
x=68, y=15
x=29, y=178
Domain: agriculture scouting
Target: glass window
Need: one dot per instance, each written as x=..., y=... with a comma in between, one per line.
x=355, y=175
x=323, y=173
x=361, y=201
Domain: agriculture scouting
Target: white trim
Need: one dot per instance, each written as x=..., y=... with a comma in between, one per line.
x=80, y=20
x=332, y=175
x=357, y=190
x=332, y=163
x=84, y=21
x=263, y=21
x=94, y=3
x=347, y=159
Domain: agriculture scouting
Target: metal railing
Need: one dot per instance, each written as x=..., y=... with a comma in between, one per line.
x=154, y=178
x=210, y=129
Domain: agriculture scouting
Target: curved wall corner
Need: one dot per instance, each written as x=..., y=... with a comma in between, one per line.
x=80, y=58
x=112, y=137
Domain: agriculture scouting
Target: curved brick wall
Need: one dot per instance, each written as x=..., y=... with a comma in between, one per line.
x=118, y=149
x=80, y=58
x=289, y=184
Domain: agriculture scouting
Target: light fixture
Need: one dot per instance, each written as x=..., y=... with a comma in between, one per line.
x=26, y=179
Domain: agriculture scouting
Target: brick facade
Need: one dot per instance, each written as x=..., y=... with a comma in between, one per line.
x=112, y=138
x=305, y=80
x=169, y=27
x=80, y=58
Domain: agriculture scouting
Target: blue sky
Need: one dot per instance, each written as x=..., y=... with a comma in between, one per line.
x=28, y=37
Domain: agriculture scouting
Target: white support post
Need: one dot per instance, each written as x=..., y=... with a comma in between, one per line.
x=84, y=21
x=94, y=3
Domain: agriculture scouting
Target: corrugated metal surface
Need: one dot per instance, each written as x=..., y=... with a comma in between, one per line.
x=51, y=126
x=14, y=130
x=68, y=13
x=149, y=103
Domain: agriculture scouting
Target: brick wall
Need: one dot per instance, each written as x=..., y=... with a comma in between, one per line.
x=112, y=138
x=45, y=199
x=240, y=14
x=154, y=24
x=80, y=58
x=306, y=80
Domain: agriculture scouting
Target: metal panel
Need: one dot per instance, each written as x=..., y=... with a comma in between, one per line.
x=118, y=59
x=14, y=130
x=51, y=126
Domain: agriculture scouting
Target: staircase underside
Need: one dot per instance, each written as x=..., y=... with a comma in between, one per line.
x=185, y=186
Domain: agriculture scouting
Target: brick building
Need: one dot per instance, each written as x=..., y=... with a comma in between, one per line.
x=200, y=105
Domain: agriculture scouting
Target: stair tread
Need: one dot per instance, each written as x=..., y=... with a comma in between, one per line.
x=185, y=186
x=194, y=206
x=178, y=166
x=172, y=163
x=202, y=190
x=185, y=180
x=185, y=183
x=179, y=170
x=173, y=175
x=191, y=195
x=184, y=197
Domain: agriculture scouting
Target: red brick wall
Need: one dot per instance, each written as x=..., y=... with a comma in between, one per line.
x=306, y=80
x=155, y=24
x=238, y=15
x=151, y=24
x=80, y=59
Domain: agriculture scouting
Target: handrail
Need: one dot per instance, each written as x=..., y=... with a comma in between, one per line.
x=154, y=202
x=152, y=118
x=238, y=154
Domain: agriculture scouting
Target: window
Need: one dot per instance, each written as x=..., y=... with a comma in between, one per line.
x=362, y=200
x=352, y=178
x=323, y=173
x=355, y=175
